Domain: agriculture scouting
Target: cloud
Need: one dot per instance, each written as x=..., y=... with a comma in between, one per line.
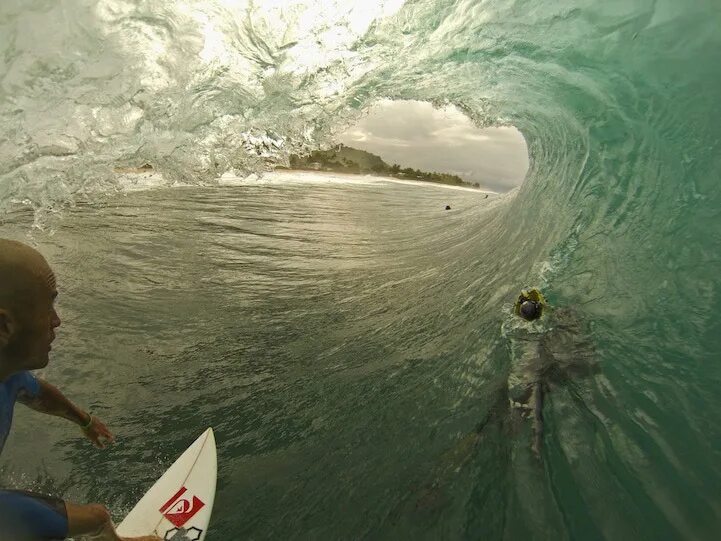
x=415, y=134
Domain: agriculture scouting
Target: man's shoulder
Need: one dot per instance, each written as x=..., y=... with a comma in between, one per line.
x=20, y=377
x=22, y=381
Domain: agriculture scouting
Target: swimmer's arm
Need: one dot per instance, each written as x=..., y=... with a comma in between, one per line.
x=52, y=402
x=538, y=418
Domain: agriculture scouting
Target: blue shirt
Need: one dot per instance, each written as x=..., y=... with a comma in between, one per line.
x=22, y=383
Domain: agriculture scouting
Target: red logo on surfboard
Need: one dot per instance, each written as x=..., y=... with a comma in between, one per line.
x=180, y=509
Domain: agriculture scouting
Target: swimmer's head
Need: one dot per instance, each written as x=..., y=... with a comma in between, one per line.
x=530, y=310
x=27, y=313
x=530, y=304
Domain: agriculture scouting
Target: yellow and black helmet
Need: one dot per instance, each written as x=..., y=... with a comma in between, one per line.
x=530, y=304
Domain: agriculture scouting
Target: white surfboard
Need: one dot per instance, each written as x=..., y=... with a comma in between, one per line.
x=178, y=506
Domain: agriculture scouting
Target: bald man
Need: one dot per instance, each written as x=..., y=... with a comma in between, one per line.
x=27, y=329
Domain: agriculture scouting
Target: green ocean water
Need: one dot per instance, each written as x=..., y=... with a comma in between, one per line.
x=345, y=339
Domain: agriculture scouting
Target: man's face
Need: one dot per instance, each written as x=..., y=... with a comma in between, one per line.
x=37, y=331
x=31, y=323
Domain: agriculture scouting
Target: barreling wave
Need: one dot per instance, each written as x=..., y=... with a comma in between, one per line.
x=619, y=213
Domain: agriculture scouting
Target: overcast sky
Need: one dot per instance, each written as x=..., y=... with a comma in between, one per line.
x=415, y=134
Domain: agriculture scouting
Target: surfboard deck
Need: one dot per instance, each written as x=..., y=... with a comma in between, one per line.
x=178, y=506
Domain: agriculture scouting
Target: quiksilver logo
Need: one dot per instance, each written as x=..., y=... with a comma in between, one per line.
x=181, y=507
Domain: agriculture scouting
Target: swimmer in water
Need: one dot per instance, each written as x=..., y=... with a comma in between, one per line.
x=547, y=350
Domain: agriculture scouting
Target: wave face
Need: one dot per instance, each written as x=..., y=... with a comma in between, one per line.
x=619, y=214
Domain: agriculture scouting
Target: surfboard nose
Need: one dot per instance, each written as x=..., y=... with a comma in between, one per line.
x=182, y=499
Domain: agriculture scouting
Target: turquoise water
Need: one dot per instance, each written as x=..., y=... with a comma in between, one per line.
x=619, y=214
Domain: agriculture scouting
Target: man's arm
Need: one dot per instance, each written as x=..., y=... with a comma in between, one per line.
x=52, y=402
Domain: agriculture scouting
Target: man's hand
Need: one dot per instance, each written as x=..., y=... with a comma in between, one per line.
x=98, y=433
x=51, y=401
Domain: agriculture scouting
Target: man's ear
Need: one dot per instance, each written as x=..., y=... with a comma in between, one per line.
x=7, y=327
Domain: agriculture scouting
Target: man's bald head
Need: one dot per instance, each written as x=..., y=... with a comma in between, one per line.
x=21, y=268
x=27, y=315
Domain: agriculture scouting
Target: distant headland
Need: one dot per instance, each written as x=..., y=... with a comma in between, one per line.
x=344, y=159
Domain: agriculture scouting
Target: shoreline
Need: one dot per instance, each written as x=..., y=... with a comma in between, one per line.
x=141, y=180
x=356, y=177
